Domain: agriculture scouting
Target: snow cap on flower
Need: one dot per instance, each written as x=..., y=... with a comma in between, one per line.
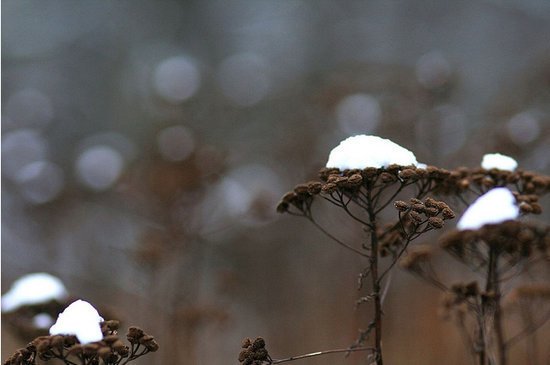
x=495, y=206
x=80, y=319
x=33, y=289
x=498, y=161
x=362, y=151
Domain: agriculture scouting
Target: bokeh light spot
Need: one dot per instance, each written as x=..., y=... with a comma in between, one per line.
x=176, y=79
x=433, y=70
x=20, y=148
x=40, y=182
x=523, y=128
x=99, y=167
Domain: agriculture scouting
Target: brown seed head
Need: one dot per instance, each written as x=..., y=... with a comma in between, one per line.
x=408, y=174
x=301, y=189
x=258, y=343
x=431, y=203
x=401, y=206
x=329, y=188
x=415, y=216
x=386, y=177
x=314, y=187
x=355, y=180
x=431, y=212
x=246, y=342
x=435, y=222
x=418, y=207
x=447, y=213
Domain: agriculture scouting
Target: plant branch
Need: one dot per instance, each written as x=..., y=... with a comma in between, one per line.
x=319, y=353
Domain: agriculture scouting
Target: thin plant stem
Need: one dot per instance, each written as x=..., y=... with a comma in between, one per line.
x=320, y=353
x=375, y=281
x=493, y=286
x=326, y=233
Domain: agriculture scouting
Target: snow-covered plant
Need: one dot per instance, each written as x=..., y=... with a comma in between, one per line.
x=365, y=175
x=492, y=240
x=32, y=303
x=81, y=337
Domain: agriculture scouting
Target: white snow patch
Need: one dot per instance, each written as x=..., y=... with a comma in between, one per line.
x=80, y=319
x=498, y=161
x=495, y=206
x=361, y=151
x=33, y=289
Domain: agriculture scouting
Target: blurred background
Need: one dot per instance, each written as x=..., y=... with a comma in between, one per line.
x=145, y=145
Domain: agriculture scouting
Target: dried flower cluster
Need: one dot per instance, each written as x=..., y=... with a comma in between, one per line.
x=66, y=348
x=350, y=182
x=492, y=250
x=480, y=180
x=515, y=240
x=416, y=217
x=529, y=185
x=254, y=352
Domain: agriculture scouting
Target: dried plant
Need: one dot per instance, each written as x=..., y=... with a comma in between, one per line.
x=496, y=252
x=111, y=350
x=363, y=195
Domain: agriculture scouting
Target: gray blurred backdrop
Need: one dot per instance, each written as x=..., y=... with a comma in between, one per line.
x=145, y=145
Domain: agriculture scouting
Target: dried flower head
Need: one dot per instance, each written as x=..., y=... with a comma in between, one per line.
x=401, y=206
x=254, y=352
x=108, y=351
x=435, y=222
x=515, y=240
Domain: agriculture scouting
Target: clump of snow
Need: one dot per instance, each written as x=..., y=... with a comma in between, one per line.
x=498, y=161
x=33, y=289
x=495, y=206
x=362, y=151
x=80, y=319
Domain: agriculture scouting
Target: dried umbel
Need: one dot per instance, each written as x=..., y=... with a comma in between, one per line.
x=480, y=181
x=111, y=350
x=254, y=352
x=512, y=240
x=416, y=217
x=350, y=182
